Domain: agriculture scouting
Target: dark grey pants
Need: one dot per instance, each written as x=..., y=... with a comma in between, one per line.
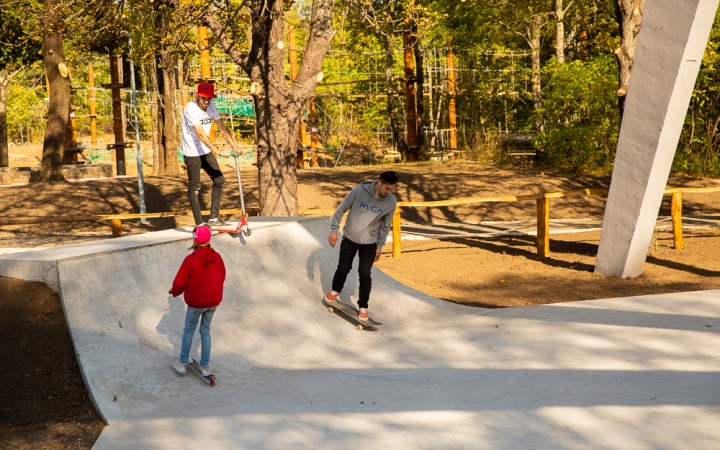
x=209, y=164
x=348, y=250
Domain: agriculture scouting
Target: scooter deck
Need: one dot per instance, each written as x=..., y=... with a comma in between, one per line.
x=239, y=228
x=351, y=312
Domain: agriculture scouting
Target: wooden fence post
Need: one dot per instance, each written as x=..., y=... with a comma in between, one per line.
x=397, y=245
x=676, y=214
x=543, y=227
x=116, y=225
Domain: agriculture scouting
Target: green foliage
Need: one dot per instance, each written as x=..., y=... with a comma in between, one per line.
x=19, y=45
x=580, y=114
x=26, y=106
x=697, y=152
x=489, y=38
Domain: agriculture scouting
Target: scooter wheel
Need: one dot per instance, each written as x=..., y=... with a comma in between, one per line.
x=247, y=232
x=212, y=380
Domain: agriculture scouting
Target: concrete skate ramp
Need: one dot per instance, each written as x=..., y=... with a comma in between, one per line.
x=621, y=373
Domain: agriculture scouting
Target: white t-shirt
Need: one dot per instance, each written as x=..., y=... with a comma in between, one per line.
x=193, y=115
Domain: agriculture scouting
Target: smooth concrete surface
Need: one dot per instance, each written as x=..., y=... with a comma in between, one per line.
x=670, y=48
x=41, y=265
x=639, y=373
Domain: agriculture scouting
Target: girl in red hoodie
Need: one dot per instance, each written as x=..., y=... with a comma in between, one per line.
x=201, y=277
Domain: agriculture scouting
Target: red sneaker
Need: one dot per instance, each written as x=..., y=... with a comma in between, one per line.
x=363, y=314
x=330, y=297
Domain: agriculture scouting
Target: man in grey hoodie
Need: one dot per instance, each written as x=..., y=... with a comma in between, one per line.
x=371, y=206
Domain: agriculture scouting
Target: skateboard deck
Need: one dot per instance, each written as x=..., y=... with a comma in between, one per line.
x=351, y=312
x=195, y=367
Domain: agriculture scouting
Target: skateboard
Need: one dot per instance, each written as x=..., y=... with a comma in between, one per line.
x=350, y=311
x=195, y=367
x=243, y=223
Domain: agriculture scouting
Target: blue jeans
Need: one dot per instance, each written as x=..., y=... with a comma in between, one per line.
x=191, y=320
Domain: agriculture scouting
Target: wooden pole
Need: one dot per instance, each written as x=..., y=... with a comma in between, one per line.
x=71, y=145
x=70, y=155
x=116, y=225
x=91, y=104
x=452, y=113
x=183, y=89
x=410, y=106
x=543, y=227
x=116, y=82
x=676, y=214
x=397, y=244
x=300, y=154
x=313, y=133
x=204, y=45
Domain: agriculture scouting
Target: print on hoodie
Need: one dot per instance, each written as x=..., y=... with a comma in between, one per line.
x=370, y=217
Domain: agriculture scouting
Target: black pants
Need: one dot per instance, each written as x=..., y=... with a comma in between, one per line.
x=209, y=164
x=348, y=249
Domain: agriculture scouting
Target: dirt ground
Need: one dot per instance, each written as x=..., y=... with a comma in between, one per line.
x=43, y=400
x=506, y=271
x=499, y=272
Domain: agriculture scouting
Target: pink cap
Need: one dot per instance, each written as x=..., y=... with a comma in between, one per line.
x=202, y=234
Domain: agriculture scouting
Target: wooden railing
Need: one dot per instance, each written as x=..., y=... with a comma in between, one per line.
x=115, y=220
x=542, y=202
x=543, y=212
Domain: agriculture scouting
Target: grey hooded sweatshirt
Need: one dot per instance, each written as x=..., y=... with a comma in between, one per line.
x=370, y=217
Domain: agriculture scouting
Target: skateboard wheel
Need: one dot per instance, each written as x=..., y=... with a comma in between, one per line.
x=212, y=380
x=331, y=309
x=359, y=327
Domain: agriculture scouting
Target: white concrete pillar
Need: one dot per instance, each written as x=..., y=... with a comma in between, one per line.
x=671, y=43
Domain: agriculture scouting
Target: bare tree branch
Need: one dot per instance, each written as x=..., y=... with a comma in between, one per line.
x=224, y=40
x=321, y=34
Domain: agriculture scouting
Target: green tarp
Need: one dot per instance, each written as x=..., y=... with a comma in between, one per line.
x=236, y=106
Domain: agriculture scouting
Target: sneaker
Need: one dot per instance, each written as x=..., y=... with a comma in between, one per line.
x=330, y=297
x=179, y=366
x=204, y=370
x=363, y=314
x=216, y=223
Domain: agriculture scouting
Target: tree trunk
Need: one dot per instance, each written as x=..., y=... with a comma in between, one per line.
x=167, y=120
x=394, y=123
x=276, y=120
x=420, y=86
x=629, y=16
x=150, y=74
x=559, y=32
x=4, y=81
x=278, y=107
x=276, y=127
x=156, y=118
x=535, y=35
x=59, y=105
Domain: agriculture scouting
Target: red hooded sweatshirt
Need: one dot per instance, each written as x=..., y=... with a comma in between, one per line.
x=201, y=277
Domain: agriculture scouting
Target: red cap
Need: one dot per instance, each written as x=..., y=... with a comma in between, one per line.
x=202, y=234
x=206, y=90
